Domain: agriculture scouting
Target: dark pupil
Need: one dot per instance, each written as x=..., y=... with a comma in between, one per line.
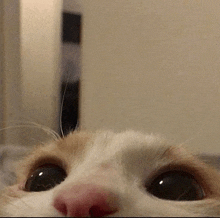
x=176, y=185
x=45, y=178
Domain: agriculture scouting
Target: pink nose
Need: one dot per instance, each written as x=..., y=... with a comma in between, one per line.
x=85, y=200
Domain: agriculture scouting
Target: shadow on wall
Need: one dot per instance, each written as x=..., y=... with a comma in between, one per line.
x=70, y=71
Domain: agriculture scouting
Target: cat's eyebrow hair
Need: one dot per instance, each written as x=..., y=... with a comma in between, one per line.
x=178, y=151
x=58, y=151
x=74, y=143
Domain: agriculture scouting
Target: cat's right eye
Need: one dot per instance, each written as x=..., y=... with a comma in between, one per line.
x=44, y=178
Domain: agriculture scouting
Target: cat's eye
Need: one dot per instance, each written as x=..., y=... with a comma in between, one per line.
x=176, y=185
x=44, y=178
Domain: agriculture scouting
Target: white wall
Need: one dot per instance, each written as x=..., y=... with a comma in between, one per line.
x=153, y=66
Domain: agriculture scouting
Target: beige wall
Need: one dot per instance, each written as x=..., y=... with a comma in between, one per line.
x=1, y=70
x=31, y=69
x=153, y=66
x=147, y=65
x=10, y=71
x=73, y=6
x=40, y=63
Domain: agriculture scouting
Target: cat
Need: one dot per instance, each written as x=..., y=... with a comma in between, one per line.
x=112, y=174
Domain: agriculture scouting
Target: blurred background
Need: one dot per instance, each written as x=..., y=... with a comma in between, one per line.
x=151, y=66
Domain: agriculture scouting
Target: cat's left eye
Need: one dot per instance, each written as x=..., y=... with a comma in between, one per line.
x=44, y=178
x=176, y=185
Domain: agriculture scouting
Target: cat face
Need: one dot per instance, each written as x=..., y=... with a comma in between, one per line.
x=101, y=174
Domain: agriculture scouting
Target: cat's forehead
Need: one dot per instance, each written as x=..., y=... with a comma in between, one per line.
x=128, y=146
x=108, y=140
x=129, y=140
x=108, y=143
x=132, y=140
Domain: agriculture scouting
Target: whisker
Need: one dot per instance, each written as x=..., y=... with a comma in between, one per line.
x=195, y=135
x=36, y=141
x=77, y=126
x=20, y=123
x=62, y=103
x=47, y=129
x=34, y=125
x=61, y=109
